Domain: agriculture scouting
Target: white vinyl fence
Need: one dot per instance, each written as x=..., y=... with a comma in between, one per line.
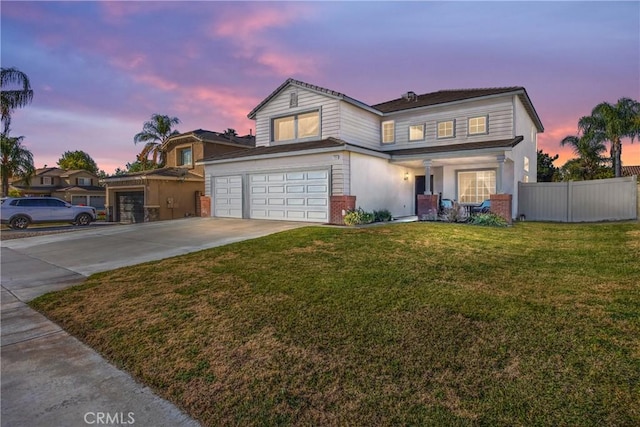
x=614, y=199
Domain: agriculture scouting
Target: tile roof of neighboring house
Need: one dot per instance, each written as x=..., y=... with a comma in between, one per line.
x=81, y=188
x=630, y=170
x=215, y=137
x=501, y=143
x=332, y=143
x=416, y=101
x=168, y=172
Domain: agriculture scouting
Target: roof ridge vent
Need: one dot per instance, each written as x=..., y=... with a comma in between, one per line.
x=410, y=96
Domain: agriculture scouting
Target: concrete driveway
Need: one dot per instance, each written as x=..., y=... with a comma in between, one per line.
x=50, y=378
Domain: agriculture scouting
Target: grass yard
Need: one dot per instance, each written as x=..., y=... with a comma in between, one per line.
x=409, y=324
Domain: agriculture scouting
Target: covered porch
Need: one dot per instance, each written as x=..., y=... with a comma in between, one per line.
x=467, y=177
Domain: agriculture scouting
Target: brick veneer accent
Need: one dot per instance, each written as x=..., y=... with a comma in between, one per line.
x=338, y=205
x=205, y=206
x=501, y=206
x=428, y=206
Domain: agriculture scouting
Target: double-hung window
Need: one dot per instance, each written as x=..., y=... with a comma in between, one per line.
x=297, y=126
x=416, y=132
x=476, y=186
x=477, y=125
x=446, y=129
x=388, y=132
x=84, y=181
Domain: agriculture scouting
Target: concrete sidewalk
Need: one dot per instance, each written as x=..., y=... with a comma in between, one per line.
x=51, y=379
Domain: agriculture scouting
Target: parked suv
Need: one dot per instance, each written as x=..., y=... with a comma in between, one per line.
x=20, y=212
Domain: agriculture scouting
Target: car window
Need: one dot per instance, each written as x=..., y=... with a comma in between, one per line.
x=55, y=203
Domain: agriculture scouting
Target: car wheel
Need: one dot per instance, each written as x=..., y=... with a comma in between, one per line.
x=19, y=222
x=83, y=219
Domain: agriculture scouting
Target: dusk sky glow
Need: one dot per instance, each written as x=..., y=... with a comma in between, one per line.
x=99, y=70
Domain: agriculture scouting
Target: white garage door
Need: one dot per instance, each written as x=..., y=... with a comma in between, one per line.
x=293, y=196
x=227, y=196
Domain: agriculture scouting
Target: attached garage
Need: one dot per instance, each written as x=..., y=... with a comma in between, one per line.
x=291, y=196
x=227, y=196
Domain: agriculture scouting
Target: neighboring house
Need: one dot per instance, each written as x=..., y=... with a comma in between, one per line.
x=630, y=170
x=78, y=187
x=319, y=152
x=173, y=191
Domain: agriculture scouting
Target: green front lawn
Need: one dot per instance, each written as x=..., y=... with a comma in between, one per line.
x=409, y=324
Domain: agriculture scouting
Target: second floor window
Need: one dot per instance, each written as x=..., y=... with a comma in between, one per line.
x=388, y=132
x=477, y=125
x=47, y=180
x=184, y=157
x=297, y=126
x=416, y=132
x=84, y=181
x=446, y=129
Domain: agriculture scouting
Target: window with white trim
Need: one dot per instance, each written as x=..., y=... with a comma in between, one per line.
x=476, y=186
x=477, y=125
x=84, y=181
x=297, y=126
x=416, y=132
x=446, y=129
x=47, y=180
x=388, y=132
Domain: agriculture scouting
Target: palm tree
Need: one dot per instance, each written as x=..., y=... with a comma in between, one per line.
x=154, y=133
x=612, y=123
x=13, y=98
x=16, y=161
x=590, y=161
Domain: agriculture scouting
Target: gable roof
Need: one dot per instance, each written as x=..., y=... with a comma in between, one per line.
x=630, y=170
x=414, y=101
x=318, y=89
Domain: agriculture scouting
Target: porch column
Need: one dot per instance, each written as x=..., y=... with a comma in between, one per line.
x=427, y=177
x=499, y=180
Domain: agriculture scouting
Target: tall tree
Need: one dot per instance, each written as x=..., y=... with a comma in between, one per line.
x=16, y=161
x=547, y=172
x=74, y=160
x=154, y=133
x=15, y=92
x=612, y=123
x=590, y=164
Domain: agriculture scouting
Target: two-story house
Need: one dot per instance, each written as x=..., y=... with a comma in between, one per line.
x=320, y=152
x=172, y=191
x=79, y=187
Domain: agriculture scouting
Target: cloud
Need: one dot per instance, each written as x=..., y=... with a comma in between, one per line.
x=254, y=33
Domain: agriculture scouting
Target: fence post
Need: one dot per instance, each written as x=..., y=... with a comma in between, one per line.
x=569, y=201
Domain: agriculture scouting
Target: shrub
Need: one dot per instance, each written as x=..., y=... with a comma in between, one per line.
x=382, y=216
x=455, y=214
x=488, y=219
x=358, y=216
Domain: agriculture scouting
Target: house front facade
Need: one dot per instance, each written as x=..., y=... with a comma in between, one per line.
x=319, y=152
x=79, y=187
x=173, y=191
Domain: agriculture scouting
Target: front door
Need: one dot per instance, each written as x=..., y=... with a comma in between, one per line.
x=420, y=188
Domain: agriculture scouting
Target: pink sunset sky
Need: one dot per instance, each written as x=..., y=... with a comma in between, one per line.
x=99, y=70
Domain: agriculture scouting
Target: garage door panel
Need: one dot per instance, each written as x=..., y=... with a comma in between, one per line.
x=227, y=199
x=303, y=195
